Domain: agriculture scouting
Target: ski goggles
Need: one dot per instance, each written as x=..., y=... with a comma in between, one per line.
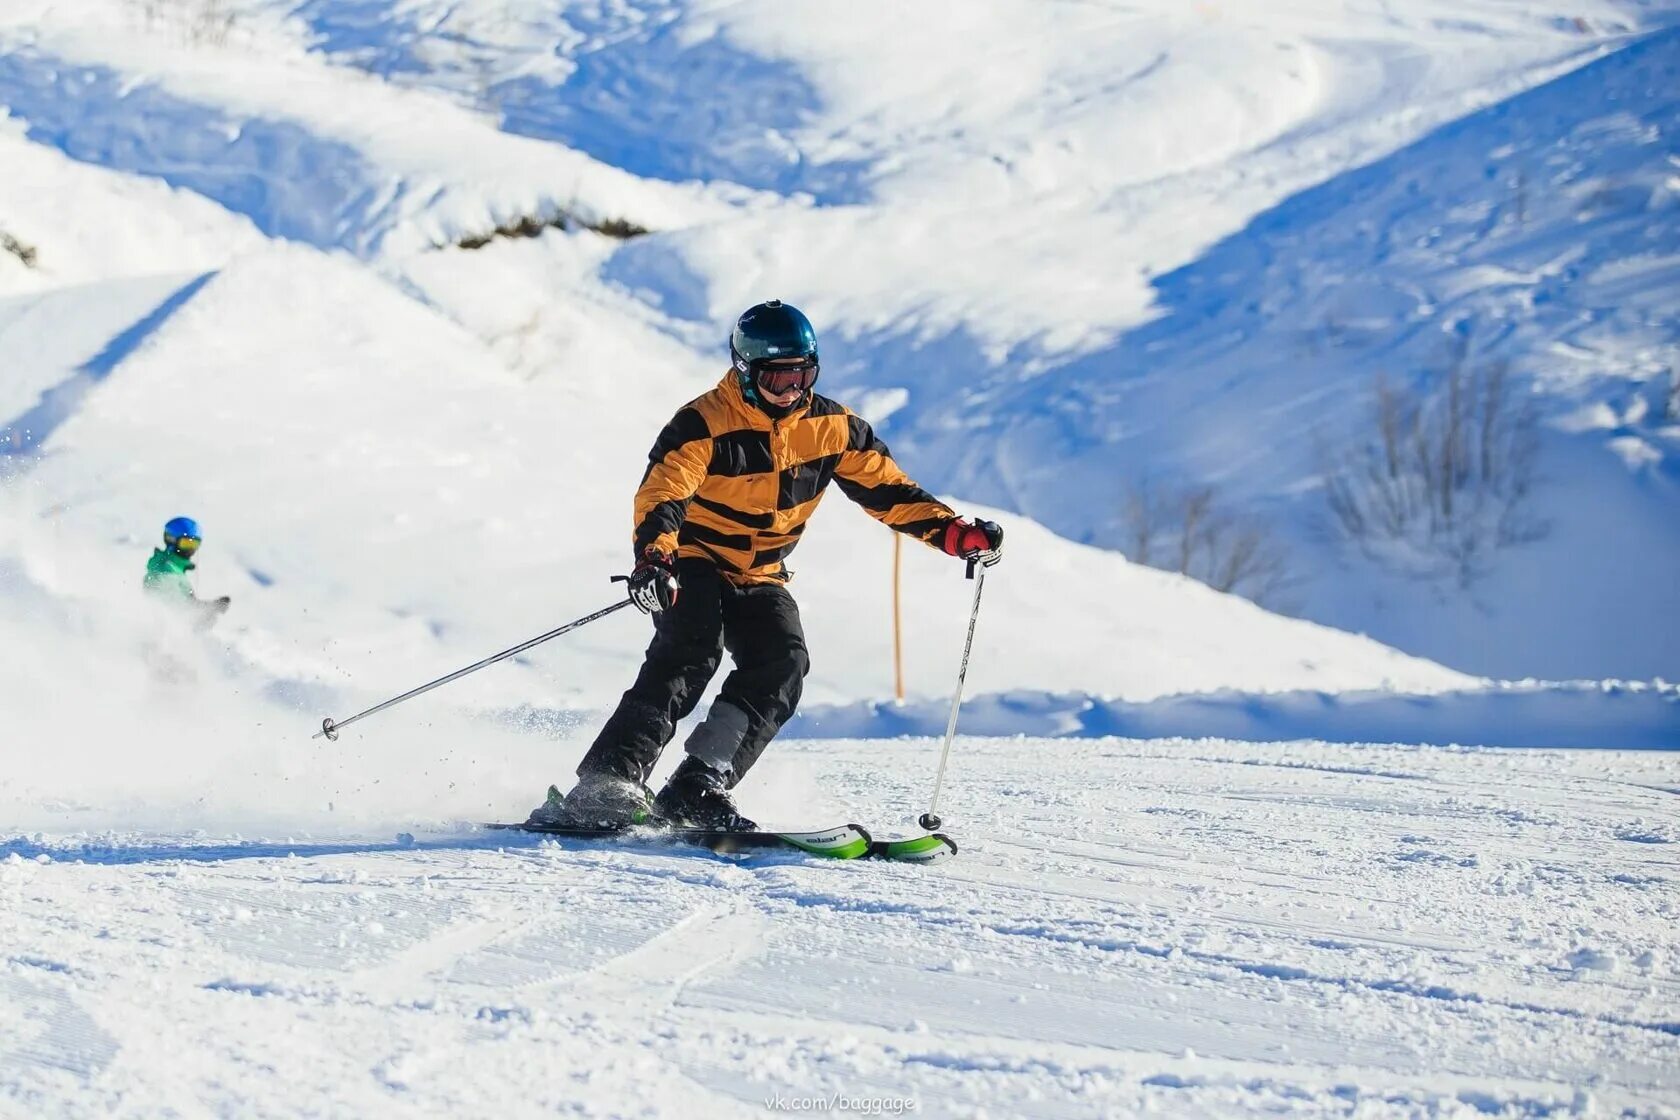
x=776, y=380
x=186, y=546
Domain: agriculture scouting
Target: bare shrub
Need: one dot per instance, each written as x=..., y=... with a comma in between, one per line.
x=24, y=253
x=1444, y=476
x=620, y=228
x=533, y=226
x=210, y=22
x=1189, y=532
x=198, y=22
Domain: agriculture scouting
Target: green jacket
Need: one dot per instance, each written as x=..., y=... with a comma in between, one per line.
x=166, y=572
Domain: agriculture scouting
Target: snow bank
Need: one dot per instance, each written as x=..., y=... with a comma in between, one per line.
x=1619, y=715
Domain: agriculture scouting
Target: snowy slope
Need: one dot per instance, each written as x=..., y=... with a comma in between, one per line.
x=1265, y=345
x=488, y=507
x=108, y=250
x=307, y=151
x=491, y=405
x=89, y=224
x=1541, y=234
x=407, y=455
x=979, y=219
x=492, y=463
x=490, y=503
x=1180, y=928
x=1002, y=215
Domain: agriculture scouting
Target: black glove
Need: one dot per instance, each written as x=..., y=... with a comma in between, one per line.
x=653, y=583
x=980, y=541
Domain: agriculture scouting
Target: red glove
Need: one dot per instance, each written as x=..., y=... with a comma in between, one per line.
x=653, y=583
x=981, y=541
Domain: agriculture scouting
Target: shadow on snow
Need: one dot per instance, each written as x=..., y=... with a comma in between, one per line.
x=1387, y=268
x=24, y=435
x=646, y=94
x=288, y=181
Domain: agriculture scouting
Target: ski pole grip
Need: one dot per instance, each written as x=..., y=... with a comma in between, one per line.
x=971, y=563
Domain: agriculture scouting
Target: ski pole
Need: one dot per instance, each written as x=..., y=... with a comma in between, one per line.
x=930, y=819
x=331, y=727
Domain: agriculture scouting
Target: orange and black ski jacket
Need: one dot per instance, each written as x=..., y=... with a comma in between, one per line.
x=727, y=483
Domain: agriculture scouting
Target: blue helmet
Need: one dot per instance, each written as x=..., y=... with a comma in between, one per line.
x=182, y=529
x=768, y=332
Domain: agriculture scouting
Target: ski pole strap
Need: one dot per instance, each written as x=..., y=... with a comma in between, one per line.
x=956, y=699
x=331, y=727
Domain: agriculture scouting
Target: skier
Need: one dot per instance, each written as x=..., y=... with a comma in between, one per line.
x=729, y=486
x=166, y=571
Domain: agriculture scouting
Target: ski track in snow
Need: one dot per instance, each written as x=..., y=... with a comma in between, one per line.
x=1196, y=928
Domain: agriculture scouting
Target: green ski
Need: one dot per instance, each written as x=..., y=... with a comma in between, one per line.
x=846, y=841
x=930, y=848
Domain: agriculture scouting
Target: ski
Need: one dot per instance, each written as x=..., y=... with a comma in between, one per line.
x=847, y=841
x=930, y=848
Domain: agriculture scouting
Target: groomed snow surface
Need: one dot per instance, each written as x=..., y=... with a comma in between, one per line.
x=1189, y=928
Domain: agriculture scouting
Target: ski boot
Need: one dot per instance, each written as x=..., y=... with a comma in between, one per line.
x=697, y=796
x=597, y=801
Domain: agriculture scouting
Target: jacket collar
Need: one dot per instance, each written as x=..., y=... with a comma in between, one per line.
x=755, y=416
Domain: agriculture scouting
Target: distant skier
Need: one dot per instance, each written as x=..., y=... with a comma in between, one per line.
x=729, y=486
x=166, y=572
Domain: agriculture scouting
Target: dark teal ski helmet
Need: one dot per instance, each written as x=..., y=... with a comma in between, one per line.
x=771, y=331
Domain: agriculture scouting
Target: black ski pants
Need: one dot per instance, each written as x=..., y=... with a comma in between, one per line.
x=759, y=626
